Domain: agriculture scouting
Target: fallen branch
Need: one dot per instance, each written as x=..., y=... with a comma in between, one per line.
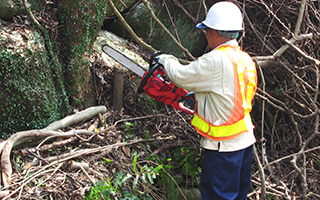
x=21, y=137
x=28, y=135
x=33, y=176
x=76, y=118
x=281, y=194
x=166, y=147
x=83, y=152
x=54, y=145
x=301, y=52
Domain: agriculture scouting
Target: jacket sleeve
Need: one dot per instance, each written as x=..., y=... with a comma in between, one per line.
x=198, y=76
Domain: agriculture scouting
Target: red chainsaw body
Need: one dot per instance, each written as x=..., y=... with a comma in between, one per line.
x=158, y=86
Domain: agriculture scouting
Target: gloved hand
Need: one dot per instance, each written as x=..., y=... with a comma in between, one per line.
x=190, y=100
x=157, y=59
x=156, y=56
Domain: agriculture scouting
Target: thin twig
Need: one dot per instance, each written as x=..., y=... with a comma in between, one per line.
x=301, y=52
x=129, y=29
x=154, y=17
x=261, y=172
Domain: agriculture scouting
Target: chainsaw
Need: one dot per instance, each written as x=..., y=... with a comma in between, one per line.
x=154, y=81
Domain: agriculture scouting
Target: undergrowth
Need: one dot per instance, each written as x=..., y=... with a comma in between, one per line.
x=156, y=179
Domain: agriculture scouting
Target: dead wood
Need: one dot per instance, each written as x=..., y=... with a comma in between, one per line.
x=4, y=193
x=54, y=145
x=118, y=87
x=78, y=165
x=26, y=136
x=165, y=147
x=83, y=152
x=76, y=118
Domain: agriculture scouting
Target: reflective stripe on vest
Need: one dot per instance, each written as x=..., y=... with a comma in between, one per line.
x=245, y=88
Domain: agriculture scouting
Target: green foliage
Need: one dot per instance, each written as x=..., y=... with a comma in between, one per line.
x=188, y=161
x=28, y=97
x=99, y=190
x=156, y=171
x=129, y=127
x=123, y=187
x=170, y=187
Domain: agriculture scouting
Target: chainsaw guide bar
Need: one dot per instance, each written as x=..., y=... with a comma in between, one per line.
x=124, y=60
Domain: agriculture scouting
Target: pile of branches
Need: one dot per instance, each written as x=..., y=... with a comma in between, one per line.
x=97, y=145
x=283, y=38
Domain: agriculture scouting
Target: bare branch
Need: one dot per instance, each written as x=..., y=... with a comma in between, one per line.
x=154, y=17
x=129, y=29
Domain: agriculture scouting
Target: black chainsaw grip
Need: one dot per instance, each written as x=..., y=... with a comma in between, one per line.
x=153, y=58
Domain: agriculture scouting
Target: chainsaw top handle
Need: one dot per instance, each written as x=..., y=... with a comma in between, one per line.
x=153, y=65
x=153, y=59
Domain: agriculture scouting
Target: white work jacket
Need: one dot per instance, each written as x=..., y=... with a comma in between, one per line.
x=211, y=78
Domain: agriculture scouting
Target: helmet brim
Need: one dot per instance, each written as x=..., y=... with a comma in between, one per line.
x=201, y=26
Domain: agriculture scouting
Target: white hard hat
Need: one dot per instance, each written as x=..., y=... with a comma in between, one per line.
x=224, y=16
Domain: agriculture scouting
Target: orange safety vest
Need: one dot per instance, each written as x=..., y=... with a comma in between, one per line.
x=245, y=88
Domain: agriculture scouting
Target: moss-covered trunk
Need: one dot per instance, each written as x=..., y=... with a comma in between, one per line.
x=81, y=20
x=31, y=96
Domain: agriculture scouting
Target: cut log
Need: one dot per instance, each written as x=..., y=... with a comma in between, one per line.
x=118, y=88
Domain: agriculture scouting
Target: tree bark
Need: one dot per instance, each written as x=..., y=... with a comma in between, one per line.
x=81, y=21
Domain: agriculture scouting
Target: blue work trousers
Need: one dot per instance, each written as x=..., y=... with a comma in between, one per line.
x=226, y=175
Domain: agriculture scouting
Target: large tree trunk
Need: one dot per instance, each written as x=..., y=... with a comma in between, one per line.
x=81, y=20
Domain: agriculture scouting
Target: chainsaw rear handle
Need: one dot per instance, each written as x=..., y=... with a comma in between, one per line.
x=185, y=109
x=189, y=108
x=181, y=106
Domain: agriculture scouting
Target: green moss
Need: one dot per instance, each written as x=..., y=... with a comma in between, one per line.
x=28, y=97
x=81, y=20
x=10, y=8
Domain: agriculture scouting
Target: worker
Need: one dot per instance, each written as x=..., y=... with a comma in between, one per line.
x=224, y=82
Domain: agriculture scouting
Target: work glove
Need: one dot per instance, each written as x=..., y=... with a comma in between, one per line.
x=190, y=100
x=156, y=56
x=157, y=59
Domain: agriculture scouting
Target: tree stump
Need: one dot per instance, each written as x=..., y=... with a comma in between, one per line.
x=118, y=87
